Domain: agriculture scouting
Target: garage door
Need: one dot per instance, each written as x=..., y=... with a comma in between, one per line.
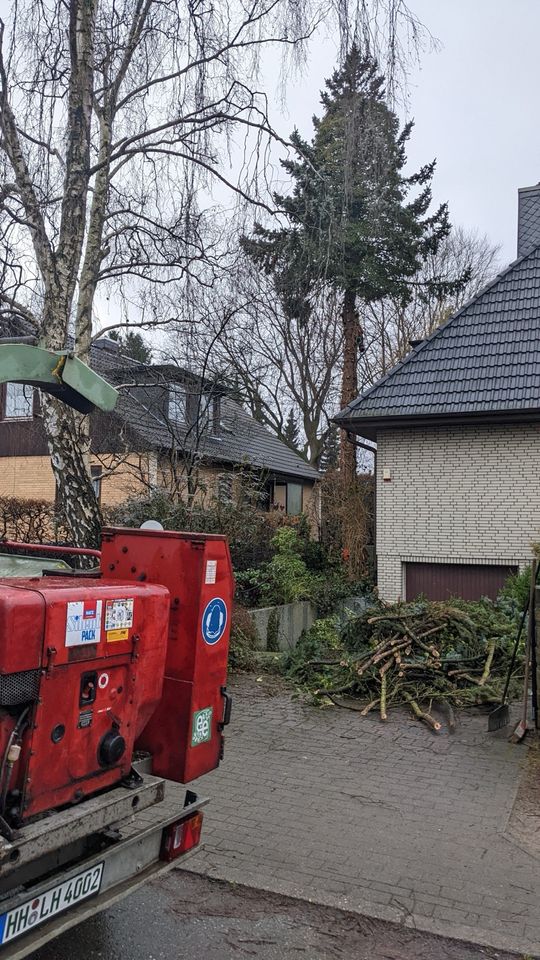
x=438, y=581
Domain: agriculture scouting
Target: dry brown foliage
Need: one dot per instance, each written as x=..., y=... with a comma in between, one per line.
x=348, y=520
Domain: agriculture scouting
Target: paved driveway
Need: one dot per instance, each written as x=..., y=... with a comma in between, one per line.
x=382, y=819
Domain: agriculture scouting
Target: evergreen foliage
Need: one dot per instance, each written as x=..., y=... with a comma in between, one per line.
x=132, y=345
x=291, y=432
x=351, y=219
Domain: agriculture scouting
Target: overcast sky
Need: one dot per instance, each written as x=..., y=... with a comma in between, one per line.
x=475, y=106
x=474, y=102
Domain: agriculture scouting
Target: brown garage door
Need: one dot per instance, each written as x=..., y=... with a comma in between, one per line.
x=438, y=581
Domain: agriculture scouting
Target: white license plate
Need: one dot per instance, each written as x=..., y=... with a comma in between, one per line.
x=39, y=909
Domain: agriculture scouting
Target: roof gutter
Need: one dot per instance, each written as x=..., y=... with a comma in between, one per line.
x=369, y=427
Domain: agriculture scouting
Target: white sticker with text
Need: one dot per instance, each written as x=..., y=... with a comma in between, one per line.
x=83, y=622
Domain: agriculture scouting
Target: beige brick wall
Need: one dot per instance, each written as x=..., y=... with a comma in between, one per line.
x=27, y=477
x=32, y=477
x=123, y=477
x=465, y=494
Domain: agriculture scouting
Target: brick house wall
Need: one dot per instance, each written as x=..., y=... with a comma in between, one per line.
x=32, y=477
x=463, y=494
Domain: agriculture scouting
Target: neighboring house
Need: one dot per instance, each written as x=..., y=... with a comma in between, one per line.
x=171, y=430
x=457, y=426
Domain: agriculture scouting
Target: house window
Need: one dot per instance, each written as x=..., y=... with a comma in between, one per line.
x=204, y=412
x=177, y=403
x=19, y=403
x=97, y=476
x=288, y=497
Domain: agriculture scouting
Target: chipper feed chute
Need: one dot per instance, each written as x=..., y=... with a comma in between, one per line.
x=56, y=372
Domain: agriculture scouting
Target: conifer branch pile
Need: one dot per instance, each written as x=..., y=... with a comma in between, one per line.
x=430, y=657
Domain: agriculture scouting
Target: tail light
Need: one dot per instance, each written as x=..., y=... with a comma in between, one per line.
x=181, y=836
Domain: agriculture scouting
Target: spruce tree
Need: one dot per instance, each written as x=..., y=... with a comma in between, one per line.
x=330, y=455
x=132, y=345
x=291, y=432
x=355, y=222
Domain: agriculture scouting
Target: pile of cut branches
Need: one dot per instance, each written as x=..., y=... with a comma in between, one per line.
x=431, y=657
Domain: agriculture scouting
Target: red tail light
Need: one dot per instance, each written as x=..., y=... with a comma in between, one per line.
x=181, y=836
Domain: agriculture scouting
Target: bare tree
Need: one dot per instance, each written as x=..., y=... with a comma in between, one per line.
x=244, y=338
x=391, y=328
x=114, y=116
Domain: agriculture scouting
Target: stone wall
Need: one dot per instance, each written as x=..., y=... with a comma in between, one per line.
x=292, y=619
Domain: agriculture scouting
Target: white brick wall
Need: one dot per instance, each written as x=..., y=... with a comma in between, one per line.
x=468, y=494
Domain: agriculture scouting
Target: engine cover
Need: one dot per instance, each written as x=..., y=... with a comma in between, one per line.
x=89, y=656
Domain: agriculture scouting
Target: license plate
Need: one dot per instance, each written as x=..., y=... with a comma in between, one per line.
x=39, y=909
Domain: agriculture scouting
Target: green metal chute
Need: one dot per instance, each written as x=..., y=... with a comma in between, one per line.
x=58, y=373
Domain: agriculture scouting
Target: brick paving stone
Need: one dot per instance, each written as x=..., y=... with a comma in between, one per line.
x=383, y=819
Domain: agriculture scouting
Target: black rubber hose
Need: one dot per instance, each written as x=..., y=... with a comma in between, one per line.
x=15, y=733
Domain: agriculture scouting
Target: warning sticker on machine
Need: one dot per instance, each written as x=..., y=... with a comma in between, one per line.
x=83, y=622
x=118, y=615
x=113, y=636
x=201, y=727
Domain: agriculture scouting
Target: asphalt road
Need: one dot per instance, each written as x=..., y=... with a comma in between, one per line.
x=185, y=917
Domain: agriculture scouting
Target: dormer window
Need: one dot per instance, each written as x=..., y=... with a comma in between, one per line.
x=204, y=412
x=19, y=402
x=177, y=403
x=208, y=413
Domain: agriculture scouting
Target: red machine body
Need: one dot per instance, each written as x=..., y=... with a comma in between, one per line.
x=184, y=733
x=93, y=668
x=88, y=658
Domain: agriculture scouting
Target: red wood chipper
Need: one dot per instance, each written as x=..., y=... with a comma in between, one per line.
x=97, y=667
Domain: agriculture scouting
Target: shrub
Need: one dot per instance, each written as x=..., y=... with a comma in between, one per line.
x=288, y=578
x=348, y=519
x=516, y=589
x=243, y=642
x=320, y=642
x=30, y=521
x=249, y=532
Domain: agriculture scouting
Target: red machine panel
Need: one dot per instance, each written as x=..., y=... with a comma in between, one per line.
x=184, y=734
x=96, y=650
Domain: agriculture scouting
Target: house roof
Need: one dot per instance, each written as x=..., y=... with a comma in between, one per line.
x=241, y=439
x=484, y=362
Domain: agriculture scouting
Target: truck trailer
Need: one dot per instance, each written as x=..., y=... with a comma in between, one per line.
x=113, y=699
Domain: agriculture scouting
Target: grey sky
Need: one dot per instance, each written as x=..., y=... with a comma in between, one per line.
x=475, y=105
x=474, y=102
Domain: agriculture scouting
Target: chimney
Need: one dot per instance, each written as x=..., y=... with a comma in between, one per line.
x=528, y=219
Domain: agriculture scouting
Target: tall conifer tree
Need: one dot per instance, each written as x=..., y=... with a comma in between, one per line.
x=355, y=221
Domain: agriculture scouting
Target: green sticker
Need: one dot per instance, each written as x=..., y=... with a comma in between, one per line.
x=201, y=730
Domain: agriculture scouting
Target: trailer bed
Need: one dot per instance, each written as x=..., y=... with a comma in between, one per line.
x=85, y=859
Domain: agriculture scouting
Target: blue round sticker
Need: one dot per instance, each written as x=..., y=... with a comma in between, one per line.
x=214, y=621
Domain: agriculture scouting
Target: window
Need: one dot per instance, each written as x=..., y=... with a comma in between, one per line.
x=177, y=403
x=19, y=403
x=294, y=499
x=97, y=474
x=288, y=497
x=204, y=412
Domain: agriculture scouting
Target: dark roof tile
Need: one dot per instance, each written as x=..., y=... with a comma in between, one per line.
x=484, y=359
